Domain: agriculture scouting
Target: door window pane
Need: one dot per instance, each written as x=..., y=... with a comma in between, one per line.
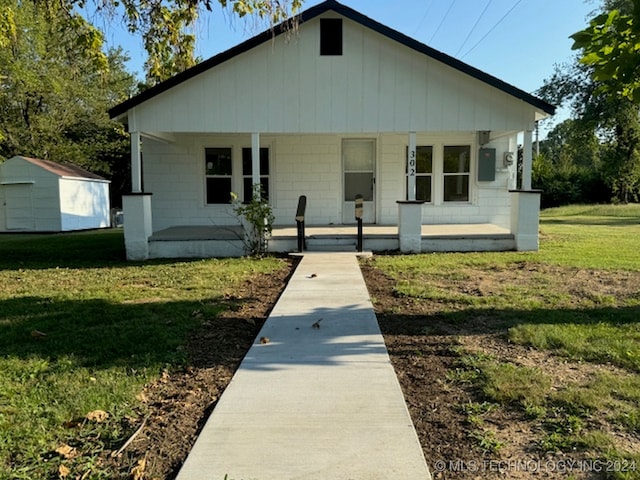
x=358, y=155
x=358, y=184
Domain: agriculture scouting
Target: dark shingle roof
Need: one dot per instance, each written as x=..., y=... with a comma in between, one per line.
x=353, y=15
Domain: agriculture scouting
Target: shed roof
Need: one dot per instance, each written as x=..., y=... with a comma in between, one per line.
x=311, y=13
x=67, y=170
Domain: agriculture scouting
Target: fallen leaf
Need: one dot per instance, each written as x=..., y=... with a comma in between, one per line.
x=264, y=340
x=63, y=471
x=313, y=275
x=316, y=324
x=67, y=451
x=98, y=416
x=137, y=472
x=141, y=397
x=38, y=334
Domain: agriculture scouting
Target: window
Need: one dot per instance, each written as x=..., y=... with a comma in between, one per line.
x=218, y=169
x=423, y=173
x=330, y=36
x=457, y=161
x=247, y=173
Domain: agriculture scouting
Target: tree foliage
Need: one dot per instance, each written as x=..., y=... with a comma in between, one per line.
x=600, y=87
x=166, y=25
x=610, y=45
x=56, y=85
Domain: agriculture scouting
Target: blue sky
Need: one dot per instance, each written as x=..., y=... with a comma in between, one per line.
x=518, y=41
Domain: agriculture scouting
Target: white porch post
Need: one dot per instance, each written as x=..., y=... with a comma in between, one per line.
x=527, y=160
x=411, y=167
x=255, y=161
x=136, y=163
x=525, y=219
x=137, y=207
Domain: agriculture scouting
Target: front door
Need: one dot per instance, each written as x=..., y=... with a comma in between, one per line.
x=359, y=166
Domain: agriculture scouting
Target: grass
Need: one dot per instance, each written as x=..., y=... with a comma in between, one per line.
x=82, y=330
x=578, y=297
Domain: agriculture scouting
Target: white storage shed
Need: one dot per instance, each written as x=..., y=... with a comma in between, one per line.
x=44, y=196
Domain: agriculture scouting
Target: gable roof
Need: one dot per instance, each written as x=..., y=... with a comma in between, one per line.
x=311, y=13
x=66, y=170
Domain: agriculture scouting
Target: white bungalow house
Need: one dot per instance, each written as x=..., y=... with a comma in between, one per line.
x=342, y=106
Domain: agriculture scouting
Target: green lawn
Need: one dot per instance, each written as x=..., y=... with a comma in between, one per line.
x=83, y=330
x=578, y=297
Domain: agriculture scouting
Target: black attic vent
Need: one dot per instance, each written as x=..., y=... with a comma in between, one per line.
x=331, y=36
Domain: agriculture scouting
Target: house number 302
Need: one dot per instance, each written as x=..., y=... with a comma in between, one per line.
x=412, y=163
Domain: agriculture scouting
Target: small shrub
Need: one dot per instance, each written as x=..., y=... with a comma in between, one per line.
x=257, y=219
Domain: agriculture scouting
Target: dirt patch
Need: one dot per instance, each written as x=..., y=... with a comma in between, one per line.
x=424, y=347
x=424, y=351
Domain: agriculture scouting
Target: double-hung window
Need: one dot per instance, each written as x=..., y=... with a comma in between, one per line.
x=247, y=173
x=423, y=173
x=218, y=172
x=456, y=172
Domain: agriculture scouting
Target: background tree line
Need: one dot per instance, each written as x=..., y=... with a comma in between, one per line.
x=594, y=157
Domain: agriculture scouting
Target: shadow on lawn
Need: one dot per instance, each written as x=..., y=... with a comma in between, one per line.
x=602, y=221
x=611, y=334
x=98, y=334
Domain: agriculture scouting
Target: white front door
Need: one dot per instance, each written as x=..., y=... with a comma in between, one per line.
x=359, y=167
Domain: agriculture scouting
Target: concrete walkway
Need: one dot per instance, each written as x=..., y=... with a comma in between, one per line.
x=313, y=403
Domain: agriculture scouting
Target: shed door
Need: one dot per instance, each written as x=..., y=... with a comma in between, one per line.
x=18, y=202
x=359, y=166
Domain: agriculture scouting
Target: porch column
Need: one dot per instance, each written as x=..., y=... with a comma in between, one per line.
x=410, y=226
x=527, y=160
x=255, y=161
x=525, y=219
x=137, y=225
x=136, y=163
x=411, y=168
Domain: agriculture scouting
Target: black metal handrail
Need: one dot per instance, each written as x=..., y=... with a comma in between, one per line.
x=302, y=207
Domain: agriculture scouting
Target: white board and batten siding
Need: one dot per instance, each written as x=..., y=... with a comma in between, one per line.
x=377, y=85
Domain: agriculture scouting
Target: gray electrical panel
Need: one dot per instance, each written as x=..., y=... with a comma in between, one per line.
x=487, y=165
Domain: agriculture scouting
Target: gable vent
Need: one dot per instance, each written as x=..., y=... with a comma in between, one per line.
x=330, y=36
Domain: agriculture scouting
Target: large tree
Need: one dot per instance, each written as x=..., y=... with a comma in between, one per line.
x=56, y=85
x=610, y=45
x=166, y=26
x=603, y=98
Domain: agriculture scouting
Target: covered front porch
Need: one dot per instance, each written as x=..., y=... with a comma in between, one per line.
x=224, y=241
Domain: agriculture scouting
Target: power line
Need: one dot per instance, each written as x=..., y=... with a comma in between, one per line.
x=424, y=17
x=492, y=29
x=486, y=7
x=442, y=21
